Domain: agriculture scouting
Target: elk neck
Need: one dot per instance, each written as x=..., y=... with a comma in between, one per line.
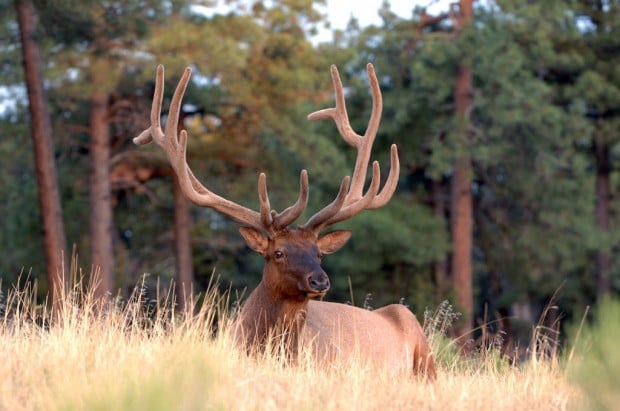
x=291, y=276
x=263, y=314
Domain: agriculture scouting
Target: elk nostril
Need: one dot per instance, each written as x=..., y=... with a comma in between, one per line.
x=320, y=283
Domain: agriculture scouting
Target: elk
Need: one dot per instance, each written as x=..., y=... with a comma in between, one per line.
x=288, y=298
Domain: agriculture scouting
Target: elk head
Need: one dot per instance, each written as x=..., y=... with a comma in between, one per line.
x=292, y=255
x=293, y=260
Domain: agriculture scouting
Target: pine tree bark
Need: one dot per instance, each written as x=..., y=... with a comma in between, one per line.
x=101, y=217
x=603, y=171
x=440, y=266
x=183, y=247
x=182, y=238
x=461, y=215
x=47, y=179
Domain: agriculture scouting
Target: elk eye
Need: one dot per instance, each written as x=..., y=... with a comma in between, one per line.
x=278, y=254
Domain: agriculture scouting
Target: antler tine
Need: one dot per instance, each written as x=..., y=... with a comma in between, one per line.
x=341, y=118
x=293, y=212
x=155, y=129
x=365, y=144
x=345, y=212
x=390, y=184
x=338, y=113
x=175, y=148
x=265, y=208
x=354, y=201
x=357, y=207
x=315, y=223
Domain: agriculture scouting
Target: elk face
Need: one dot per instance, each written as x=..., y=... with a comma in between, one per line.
x=293, y=260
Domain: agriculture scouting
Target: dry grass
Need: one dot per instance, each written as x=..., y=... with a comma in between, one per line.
x=116, y=359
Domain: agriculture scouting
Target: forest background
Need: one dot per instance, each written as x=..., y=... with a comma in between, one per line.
x=517, y=102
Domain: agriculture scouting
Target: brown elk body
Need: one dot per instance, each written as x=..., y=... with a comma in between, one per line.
x=284, y=302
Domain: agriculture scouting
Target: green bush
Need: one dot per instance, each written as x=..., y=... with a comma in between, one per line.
x=596, y=367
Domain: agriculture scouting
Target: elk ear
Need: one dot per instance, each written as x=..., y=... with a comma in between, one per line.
x=254, y=239
x=332, y=242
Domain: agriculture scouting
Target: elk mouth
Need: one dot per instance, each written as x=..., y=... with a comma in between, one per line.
x=316, y=295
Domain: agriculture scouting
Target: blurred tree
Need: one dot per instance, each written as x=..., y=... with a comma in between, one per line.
x=101, y=218
x=182, y=240
x=527, y=170
x=49, y=197
x=571, y=57
x=94, y=40
x=461, y=202
x=19, y=211
x=595, y=88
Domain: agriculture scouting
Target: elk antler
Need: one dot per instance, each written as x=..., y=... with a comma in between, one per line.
x=351, y=202
x=175, y=148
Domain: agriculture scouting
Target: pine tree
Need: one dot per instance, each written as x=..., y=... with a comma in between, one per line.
x=47, y=181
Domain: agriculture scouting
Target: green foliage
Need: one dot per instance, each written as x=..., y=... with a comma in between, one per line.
x=387, y=258
x=19, y=208
x=552, y=193
x=596, y=365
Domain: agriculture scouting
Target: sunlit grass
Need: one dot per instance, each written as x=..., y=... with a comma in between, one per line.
x=140, y=355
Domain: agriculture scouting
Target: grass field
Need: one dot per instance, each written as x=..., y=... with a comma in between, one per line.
x=132, y=357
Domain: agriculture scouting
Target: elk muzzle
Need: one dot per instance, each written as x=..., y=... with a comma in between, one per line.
x=318, y=284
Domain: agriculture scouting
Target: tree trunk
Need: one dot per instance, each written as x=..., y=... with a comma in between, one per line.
x=461, y=228
x=101, y=220
x=461, y=196
x=183, y=247
x=440, y=267
x=182, y=240
x=47, y=180
x=603, y=170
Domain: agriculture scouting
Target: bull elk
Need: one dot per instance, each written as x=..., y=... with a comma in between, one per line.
x=286, y=299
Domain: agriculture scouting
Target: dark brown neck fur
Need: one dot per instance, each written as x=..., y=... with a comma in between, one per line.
x=265, y=317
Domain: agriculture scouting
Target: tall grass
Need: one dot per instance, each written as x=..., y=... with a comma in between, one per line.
x=142, y=355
